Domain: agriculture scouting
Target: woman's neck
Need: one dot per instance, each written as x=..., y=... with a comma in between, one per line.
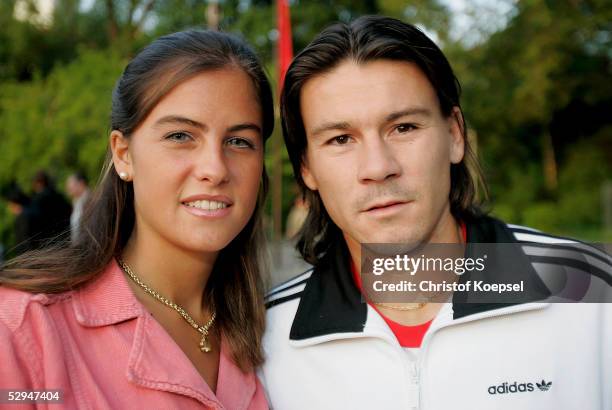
x=175, y=273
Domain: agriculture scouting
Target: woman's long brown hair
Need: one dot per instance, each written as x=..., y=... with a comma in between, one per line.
x=235, y=284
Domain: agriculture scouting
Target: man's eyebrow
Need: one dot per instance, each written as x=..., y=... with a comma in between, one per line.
x=245, y=126
x=330, y=126
x=409, y=111
x=177, y=119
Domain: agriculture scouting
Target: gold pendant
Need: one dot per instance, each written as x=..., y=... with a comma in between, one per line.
x=205, y=344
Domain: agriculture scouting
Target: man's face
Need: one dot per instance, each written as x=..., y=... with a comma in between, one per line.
x=379, y=152
x=14, y=208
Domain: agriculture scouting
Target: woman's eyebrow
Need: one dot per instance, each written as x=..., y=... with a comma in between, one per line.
x=177, y=119
x=244, y=126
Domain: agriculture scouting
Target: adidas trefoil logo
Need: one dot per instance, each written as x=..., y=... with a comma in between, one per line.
x=543, y=385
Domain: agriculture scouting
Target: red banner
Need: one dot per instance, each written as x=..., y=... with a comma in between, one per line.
x=285, y=44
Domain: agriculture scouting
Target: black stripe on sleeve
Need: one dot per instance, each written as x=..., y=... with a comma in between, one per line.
x=284, y=299
x=276, y=291
x=605, y=276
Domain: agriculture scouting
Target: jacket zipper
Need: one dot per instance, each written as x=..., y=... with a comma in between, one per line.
x=418, y=366
x=415, y=386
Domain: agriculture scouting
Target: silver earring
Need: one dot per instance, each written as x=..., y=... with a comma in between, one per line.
x=123, y=176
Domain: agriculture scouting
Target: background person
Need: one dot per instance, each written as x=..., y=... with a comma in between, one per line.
x=19, y=206
x=76, y=186
x=51, y=210
x=296, y=217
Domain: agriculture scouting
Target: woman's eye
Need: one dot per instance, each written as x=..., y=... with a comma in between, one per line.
x=340, y=140
x=405, y=128
x=240, y=142
x=179, y=137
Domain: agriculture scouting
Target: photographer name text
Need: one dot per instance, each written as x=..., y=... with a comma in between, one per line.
x=431, y=286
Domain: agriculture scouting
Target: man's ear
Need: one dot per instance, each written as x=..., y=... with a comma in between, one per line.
x=122, y=159
x=307, y=176
x=457, y=132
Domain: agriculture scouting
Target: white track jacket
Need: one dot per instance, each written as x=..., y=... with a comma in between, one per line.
x=326, y=349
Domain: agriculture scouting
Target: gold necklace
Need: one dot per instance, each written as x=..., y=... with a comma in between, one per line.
x=205, y=345
x=406, y=307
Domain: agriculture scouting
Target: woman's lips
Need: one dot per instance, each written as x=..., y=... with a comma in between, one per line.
x=208, y=213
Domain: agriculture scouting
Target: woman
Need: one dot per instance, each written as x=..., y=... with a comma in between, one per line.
x=159, y=302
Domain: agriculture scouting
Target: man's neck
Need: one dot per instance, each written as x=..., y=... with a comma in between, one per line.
x=448, y=231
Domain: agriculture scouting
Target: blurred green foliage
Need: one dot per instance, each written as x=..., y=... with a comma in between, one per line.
x=545, y=80
x=537, y=92
x=58, y=122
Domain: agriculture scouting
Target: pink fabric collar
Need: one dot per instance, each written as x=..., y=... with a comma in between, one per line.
x=152, y=360
x=107, y=300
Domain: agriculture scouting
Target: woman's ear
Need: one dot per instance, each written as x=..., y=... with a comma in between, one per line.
x=122, y=159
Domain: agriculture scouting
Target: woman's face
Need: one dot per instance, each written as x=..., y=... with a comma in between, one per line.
x=196, y=162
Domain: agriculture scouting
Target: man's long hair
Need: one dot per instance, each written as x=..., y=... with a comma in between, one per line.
x=367, y=39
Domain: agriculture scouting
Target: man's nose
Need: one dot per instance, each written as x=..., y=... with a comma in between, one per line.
x=377, y=161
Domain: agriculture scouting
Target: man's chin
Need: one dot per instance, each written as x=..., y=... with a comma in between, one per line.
x=393, y=238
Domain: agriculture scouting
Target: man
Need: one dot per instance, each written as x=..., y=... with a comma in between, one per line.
x=76, y=186
x=375, y=132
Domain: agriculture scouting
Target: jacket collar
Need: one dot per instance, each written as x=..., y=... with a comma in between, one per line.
x=508, y=264
x=152, y=362
x=107, y=300
x=155, y=360
x=332, y=304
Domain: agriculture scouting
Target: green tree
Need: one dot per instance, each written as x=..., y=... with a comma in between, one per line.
x=59, y=122
x=536, y=92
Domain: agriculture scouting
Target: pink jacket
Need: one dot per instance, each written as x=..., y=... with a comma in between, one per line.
x=105, y=351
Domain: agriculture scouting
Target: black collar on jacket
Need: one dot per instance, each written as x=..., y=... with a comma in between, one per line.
x=331, y=303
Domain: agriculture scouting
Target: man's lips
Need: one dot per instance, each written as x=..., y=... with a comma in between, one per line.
x=386, y=205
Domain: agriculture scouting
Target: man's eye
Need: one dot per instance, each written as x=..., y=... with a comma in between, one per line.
x=240, y=142
x=405, y=128
x=340, y=140
x=179, y=137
